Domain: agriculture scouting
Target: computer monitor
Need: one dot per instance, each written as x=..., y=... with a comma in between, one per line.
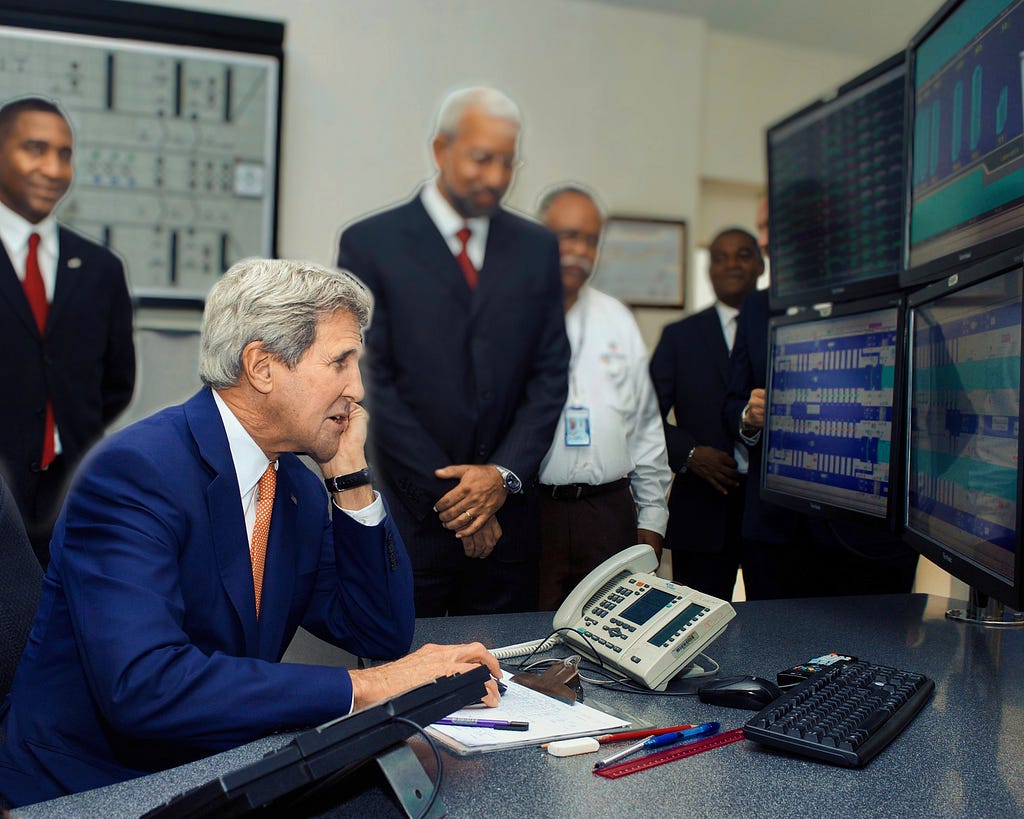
x=835, y=192
x=833, y=411
x=963, y=508
x=965, y=174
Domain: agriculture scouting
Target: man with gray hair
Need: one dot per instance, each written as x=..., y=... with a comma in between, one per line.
x=604, y=480
x=467, y=364
x=194, y=543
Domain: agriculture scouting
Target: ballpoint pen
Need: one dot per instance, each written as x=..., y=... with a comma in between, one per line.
x=497, y=724
x=656, y=741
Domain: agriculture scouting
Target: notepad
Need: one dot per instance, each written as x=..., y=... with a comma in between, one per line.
x=550, y=719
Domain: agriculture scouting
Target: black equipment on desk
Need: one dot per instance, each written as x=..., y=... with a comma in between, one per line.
x=327, y=753
x=844, y=715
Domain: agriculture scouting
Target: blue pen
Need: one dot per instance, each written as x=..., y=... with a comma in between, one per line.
x=662, y=739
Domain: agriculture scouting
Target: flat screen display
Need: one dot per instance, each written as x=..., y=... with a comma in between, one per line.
x=832, y=409
x=836, y=192
x=963, y=483
x=966, y=157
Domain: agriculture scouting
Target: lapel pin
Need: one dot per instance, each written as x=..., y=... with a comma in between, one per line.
x=295, y=500
x=74, y=262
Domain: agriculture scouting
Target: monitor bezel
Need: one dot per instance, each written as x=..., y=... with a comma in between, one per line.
x=1009, y=593
x=882, y=283
x=819, y=507
x=1006, y=248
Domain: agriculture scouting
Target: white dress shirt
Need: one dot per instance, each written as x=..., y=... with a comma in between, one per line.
x=14, y=233
x=250, y=464
x=608, y=375
x=449, y=223
x=727, y=316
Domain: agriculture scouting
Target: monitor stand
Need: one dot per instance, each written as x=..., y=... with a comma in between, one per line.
x=986, y=611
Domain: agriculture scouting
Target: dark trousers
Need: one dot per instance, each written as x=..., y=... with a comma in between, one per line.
x=446, y=582
x=40, y=496
x=828, y=560
x=577, y=535
x=714, y=573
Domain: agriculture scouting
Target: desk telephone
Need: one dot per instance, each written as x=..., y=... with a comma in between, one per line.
x=636, y=623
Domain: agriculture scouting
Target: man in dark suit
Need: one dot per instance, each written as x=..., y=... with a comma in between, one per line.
x=65, y=321
x=689, y=368
x=467, y=360
x=785, y=553
x=194, y=543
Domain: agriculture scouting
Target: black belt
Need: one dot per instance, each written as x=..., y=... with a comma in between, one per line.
x=575, y=491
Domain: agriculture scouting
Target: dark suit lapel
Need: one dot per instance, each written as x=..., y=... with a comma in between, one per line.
x=714, y=339
x=13, y=293
x=71, y=266
x=227, y=522
x=430, y=248
x=498, y=271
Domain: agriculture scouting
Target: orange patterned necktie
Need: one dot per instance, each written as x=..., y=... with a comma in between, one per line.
x=261, y=529
x=35, y=292
x=463, y=258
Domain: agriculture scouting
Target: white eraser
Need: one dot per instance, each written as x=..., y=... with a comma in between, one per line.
x=571, y=747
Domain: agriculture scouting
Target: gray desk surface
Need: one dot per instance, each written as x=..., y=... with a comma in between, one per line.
x=962, y=756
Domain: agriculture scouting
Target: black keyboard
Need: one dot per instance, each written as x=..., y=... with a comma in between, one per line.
x=845, y=714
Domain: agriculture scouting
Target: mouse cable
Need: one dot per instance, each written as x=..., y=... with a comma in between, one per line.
x=437, y=760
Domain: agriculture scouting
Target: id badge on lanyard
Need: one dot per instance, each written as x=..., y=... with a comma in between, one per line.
x=577, y=426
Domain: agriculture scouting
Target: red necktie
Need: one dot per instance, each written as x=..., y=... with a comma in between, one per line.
x=463, y=258
x=261, y=530
x=35, y=292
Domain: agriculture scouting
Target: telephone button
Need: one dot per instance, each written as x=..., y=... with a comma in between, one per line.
x=635, y=659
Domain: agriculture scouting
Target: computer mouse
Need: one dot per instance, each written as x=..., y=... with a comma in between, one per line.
x=752, y=693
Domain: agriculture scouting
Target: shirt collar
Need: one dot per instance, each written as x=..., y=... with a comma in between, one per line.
x=15, y=230
x=447, y=219
x=725, y=312
x=249, y=460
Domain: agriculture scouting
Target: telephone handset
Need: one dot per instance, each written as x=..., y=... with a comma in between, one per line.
x=641, y=625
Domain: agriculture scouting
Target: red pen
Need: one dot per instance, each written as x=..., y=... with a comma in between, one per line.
x=626, y=736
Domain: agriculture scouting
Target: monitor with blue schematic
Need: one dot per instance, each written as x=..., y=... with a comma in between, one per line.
x=966, y=147
x=832, y=417
x=836, y=192
x=963, y=508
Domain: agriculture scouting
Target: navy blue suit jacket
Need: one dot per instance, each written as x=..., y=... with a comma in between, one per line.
x=689, y=368
x=456, y=376
x=146, y=651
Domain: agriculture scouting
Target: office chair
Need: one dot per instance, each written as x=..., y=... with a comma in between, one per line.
x=21, y=580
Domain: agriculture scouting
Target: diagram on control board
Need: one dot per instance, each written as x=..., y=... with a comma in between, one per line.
x=175, y=149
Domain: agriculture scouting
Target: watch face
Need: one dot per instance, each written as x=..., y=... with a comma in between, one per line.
x=512, y=483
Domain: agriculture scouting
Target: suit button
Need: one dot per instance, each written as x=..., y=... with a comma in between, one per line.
x=482, y=451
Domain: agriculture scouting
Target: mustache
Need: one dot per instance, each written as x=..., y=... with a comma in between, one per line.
x=582, y=262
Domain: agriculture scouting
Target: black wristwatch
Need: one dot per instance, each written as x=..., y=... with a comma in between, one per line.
x=510, y=479
x=340, y=483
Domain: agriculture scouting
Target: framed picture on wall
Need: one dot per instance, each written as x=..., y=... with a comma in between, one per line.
x=643, y=261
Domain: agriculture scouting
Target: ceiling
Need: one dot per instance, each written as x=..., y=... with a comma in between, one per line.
x=871, y=28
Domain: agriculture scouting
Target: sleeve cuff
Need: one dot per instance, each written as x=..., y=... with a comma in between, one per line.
x=369, y=515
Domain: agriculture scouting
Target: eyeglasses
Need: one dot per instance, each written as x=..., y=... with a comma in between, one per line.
x=589, y=239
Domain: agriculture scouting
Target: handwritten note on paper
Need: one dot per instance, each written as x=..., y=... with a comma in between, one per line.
x=549, y=719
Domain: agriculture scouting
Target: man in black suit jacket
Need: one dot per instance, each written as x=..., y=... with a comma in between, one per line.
x=68, y=344
x=689, y=368
x=466, y=364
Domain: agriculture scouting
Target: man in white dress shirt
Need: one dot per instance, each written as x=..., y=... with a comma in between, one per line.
x=605, y=477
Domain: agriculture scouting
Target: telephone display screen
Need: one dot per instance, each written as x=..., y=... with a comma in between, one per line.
x=650, y=603
x=676, y=624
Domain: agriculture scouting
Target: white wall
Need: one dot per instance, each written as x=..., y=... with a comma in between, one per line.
x=608, y=96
